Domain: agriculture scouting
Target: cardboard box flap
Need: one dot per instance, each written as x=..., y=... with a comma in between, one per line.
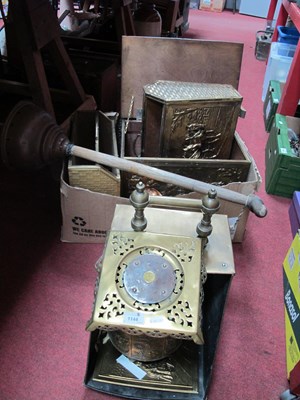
x=146, y=60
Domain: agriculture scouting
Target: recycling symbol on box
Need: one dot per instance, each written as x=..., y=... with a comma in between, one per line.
x=78, y=221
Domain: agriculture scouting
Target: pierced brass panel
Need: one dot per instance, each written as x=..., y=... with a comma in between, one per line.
x=172, y=306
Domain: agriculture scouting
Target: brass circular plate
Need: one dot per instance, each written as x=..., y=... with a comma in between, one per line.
x=149, y=278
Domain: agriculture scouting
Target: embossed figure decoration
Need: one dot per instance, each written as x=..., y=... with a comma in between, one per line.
x=199, y=142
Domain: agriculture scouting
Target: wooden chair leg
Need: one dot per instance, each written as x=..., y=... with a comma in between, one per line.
x=67, y=72
x=31, y=40
x=124, y=21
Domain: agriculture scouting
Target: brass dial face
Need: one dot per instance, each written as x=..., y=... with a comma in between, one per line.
x=149, y=275
x=149, y=278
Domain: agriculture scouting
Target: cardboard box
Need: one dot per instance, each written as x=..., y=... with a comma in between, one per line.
x=218, y=5
x=291, y=282
x=237, y=214
x=87, y=215
x=212, y=5
x=206, y=5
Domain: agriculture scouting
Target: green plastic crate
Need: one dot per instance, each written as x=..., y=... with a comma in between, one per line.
x=282, y=165
x=271, y=103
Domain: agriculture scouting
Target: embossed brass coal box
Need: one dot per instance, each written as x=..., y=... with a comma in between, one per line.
x=189, y=120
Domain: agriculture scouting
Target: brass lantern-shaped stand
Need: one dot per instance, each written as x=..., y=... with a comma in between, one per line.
x=147, y=326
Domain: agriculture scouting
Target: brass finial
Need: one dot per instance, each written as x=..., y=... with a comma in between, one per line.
x=139, y=199
x=210, y=205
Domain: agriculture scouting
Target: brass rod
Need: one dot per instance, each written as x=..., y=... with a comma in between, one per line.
x=178, y=202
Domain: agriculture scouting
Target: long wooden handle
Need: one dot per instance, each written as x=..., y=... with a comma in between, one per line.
x=254, y=203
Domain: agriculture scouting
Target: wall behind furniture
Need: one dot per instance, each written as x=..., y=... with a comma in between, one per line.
x=230, y=3
x=257, y=8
